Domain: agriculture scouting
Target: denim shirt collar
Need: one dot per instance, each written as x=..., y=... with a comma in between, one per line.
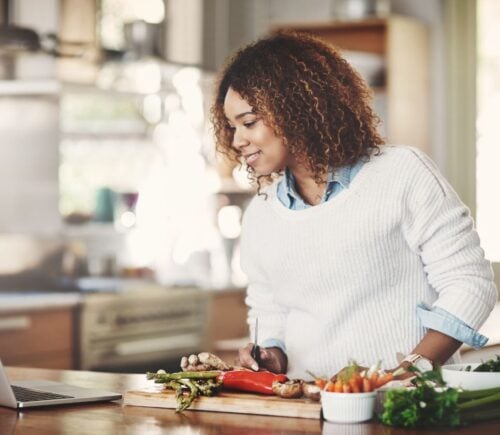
x=340, y=175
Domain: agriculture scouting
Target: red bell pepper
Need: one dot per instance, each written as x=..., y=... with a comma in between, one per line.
x=253, y=382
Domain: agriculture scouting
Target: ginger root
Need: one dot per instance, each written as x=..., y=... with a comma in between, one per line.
x=213, y=361
x=202, y=362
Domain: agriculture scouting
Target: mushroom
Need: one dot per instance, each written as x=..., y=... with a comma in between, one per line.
x=290, y=389
x=311, y=391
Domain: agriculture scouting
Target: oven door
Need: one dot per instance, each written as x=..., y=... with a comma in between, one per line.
x=126, y=333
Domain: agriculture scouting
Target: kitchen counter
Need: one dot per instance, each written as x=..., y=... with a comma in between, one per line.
x=16, y=301
x=115, y=418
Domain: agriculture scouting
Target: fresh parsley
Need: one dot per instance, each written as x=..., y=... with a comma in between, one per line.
x=431, y=404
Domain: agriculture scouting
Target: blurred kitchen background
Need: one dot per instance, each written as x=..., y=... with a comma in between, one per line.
x=119, y=225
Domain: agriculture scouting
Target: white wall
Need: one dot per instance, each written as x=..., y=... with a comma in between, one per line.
x=42, y=15
x=29, y=164
x=29, y=131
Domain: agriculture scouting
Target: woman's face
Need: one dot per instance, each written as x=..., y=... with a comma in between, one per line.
x=256, y=142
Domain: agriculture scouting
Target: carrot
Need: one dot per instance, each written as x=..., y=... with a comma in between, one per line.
x=320, y=382
x=346, y=388
x=382, y=380
x=330, y=386
x=338, y=386
x=360, y=381
x=356, y=382
x=354, y=385
x=367, y=385
x=374, y=378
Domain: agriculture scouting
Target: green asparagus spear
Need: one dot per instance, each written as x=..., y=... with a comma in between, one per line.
x=188, y=385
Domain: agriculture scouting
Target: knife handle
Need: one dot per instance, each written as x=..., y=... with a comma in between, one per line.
x=256, y=353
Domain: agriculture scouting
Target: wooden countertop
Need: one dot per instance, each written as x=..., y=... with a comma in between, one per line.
x=114, y=418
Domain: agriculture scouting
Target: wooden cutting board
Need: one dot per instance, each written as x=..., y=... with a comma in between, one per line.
x=240, y=403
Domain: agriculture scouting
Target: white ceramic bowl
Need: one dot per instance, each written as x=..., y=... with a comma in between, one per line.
x=347, y=407
x=456, y=376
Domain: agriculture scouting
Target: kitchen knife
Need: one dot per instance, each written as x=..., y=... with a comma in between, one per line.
x=256, y=347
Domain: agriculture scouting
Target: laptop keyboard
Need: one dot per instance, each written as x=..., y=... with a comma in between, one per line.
x=28, y=395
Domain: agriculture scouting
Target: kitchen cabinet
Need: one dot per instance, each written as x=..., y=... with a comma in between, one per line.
x=41, y=338
x=228, y=323
x=401, y=98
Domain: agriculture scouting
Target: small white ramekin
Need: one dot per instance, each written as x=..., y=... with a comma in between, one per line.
x=347, y=407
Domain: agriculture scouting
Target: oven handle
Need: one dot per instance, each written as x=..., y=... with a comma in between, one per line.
x=158, y=344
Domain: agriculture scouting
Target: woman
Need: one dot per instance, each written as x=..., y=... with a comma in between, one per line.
x=359, y=250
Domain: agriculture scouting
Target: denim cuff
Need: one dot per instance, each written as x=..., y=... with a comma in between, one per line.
x=274, y=342
x=441, y=320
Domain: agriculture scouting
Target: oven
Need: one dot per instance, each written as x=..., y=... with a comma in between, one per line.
x=141, y=329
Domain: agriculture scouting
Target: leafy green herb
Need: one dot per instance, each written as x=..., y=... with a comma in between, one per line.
x=492, y=365
x=431, y=404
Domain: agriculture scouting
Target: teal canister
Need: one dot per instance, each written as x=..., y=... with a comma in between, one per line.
x=104, y=205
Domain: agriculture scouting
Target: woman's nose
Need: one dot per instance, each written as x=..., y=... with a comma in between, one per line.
x=239, y=139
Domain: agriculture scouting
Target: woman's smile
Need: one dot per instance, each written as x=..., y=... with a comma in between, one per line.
x=251, y=158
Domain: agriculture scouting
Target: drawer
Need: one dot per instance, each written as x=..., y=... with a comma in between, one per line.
x=36, y=333
x=53, y=360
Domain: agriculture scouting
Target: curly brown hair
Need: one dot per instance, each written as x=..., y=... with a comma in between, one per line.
x=308, y=94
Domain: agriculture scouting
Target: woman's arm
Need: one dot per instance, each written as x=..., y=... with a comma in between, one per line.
x=272, y=320
x=440, y=230
x=261, y=304
x=437, y=347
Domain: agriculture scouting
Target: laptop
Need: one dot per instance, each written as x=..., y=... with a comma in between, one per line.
x=29, y=394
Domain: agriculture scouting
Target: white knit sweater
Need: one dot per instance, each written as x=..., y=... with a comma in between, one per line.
x=342, y=280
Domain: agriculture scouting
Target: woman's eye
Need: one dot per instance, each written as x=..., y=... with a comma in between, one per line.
x=249, y=124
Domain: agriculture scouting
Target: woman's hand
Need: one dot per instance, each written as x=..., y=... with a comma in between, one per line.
x=402, y=372
x=271, y=358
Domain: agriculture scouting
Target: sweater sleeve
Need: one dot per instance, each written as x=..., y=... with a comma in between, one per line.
x=438, y=227
x=260, y=298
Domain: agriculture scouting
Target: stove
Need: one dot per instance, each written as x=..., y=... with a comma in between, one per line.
x=141, y=327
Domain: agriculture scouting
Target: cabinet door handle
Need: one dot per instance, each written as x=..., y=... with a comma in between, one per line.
x=15, y=323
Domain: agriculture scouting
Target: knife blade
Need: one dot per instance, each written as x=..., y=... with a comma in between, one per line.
x=256, y=347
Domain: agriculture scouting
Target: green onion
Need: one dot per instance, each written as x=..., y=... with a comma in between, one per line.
x=474, y=394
